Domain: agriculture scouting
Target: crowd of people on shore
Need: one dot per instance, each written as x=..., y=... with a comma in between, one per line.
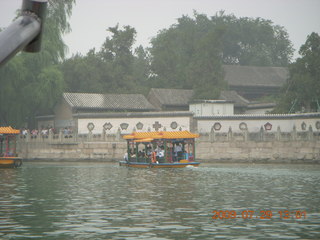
x=44, y=132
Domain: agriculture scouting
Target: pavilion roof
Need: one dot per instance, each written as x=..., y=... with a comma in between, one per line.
x=9, y=130
x=161, y=135
x=236, y=75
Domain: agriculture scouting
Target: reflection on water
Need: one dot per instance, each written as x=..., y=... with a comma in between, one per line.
x=105, y=201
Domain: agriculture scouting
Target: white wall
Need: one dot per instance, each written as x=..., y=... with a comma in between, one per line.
x=254, y=125
x=211, y=109
x=148, y=122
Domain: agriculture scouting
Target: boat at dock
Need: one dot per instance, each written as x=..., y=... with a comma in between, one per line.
x=163, y=149
x=8, y=145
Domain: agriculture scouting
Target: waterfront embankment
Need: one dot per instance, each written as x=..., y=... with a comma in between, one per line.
x=244, y=147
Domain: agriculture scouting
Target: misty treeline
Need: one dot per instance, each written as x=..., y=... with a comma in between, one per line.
x=188, y=55
x=301, y=93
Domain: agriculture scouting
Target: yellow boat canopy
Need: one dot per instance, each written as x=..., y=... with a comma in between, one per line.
x=149, y=136
x=9, y=130
x=144, y=140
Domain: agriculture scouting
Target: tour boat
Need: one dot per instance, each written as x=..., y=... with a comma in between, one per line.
x=163, y=149
x=8, y=143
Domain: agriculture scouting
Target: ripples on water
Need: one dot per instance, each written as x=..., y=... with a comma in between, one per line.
x=106, y=201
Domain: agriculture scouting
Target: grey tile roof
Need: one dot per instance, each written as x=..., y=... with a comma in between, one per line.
x=233, y=96
x=172, y=97
x=255, y=76
x=131, y=102
x=259, y=105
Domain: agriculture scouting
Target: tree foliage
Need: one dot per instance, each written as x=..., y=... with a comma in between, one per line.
x=302, y=90
x=116, y=67
x=190, y=53
x=31, y=83
x=187, y=55
x=253, y=42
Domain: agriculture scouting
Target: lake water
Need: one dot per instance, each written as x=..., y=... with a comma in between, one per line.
x=106, y=201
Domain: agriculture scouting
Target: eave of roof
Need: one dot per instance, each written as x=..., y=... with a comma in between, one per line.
x=172, y=97
x=108, y=102
x=161, y=135
x=237, y=75
x=9, y=130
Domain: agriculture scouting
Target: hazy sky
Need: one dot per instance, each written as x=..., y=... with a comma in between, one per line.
x=91, y=18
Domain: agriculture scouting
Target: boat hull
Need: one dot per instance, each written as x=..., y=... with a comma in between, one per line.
x=158, y=165
x=10, y=162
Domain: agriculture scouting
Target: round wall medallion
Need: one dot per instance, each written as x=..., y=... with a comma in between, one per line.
x=243, y=126
x=174, y=125
x=217, y=126
x=90, y=126
x=303, y=126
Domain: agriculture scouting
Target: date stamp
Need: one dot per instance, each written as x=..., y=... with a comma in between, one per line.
x=263, y=214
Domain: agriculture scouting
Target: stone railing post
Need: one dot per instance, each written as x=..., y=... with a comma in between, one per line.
x=245, y=135
x=230, y=134
x=90, y=136
x=28, y=137
x=310, y=133
x=50, y=135
x=294, y=133
x=278, y=134
x=261, y=134
x=60, y=135
x=118, y=134
x=103, y=136
x=212, y=135
x=75, y=136
x=38, y=137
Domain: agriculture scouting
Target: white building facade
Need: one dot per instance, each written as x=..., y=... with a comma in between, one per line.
x=254, y=123
x=211, y=108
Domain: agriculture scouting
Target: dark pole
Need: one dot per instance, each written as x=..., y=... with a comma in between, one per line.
x=25, y=32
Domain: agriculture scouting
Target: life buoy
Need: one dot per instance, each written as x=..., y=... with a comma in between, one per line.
x=153, y=157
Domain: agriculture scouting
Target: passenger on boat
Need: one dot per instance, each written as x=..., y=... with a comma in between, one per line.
x=154, y=157
x=161, y=153
x=125, y=157
x=177, y=151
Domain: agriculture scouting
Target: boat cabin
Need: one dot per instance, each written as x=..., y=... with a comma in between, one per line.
x=160, y=147
x=8, y=147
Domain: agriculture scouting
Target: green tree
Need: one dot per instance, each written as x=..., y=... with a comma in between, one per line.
x=187, y=55
x=115, y=68
x=141, y=70
x=116, y=51
x=191, y=52
x=84, y=73
x=249, y=41
x=30, y=83
x=302, y=90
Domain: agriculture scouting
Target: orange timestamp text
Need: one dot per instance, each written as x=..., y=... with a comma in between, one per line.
x=263, y=214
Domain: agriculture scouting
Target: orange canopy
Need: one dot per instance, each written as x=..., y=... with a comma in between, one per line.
x=9, y=130
x=161, y=135
x=144, y=140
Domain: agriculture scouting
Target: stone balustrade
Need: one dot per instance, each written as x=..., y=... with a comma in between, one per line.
x=262, y=146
